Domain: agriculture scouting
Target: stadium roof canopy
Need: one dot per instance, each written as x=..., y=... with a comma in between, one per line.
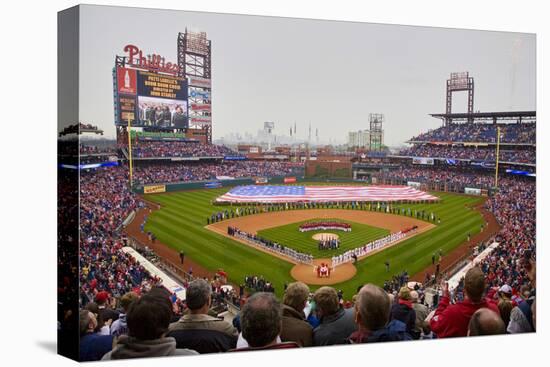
x=516, y=116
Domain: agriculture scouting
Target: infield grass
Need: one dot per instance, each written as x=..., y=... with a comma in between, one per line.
x=289, y=235
x=181, y=220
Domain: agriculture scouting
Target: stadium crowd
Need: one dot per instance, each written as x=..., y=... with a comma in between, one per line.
x=446, y=174
x=524, y=133
x=150, y=325
x=105, y=202
x=471, y=153
x=164, y=149
x=179, y=172
x=86, y=149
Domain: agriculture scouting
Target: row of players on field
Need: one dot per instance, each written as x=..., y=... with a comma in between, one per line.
x=377, y=207
x=270, y=245
x=348, y=256
x=352, y=255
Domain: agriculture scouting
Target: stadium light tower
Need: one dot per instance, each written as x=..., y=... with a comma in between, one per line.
x=459, y=82
x=268, y=131
x=376, y=135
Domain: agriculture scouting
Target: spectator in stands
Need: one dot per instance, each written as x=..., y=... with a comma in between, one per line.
x=505, y=307
x=403, y=311
x=336, y=323
x=261, y=322
x=92, y=344
x=103, y=327
x=372, y=315
x=452, y=320
x=521, y=315
x=148, y=319
x=485, y=322
x=519, y=323
x=421, y=312
x=105, y=311
x=120, y=326
x=199, y=331
x=295, y=327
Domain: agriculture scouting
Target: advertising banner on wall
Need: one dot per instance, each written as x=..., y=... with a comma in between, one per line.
x=126, y=81
x=154, y=189
x=200, y=94
x=127, y=109
x=234, y=158
x=203, y=120
x=200, y=107
x=289, y=179
x=213, y=185
x=423, y=160
x=472, y=191
x=196, y=81
x=483, y=164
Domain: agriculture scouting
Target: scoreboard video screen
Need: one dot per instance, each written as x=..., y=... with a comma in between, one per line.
x=150, y=99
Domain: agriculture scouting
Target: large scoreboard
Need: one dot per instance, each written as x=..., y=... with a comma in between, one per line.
x=148, y=98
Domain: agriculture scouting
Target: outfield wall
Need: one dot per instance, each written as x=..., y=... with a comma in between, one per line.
x=211, y=184
x=199, y=185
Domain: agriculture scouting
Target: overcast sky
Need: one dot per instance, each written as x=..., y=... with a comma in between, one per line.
x=329, y=74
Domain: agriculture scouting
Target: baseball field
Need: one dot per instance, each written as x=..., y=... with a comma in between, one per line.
x=181, y=224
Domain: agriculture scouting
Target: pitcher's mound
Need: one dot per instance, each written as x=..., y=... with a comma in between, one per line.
x=325, y=236
x=306, y=273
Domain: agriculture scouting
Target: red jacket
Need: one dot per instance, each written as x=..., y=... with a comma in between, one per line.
x=452, y=320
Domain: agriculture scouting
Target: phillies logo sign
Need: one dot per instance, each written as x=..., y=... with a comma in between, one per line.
x=151, y=62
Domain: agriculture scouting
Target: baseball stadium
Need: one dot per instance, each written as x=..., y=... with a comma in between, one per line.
x=442, y=227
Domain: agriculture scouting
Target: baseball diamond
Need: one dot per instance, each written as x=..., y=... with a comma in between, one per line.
x=180, y=222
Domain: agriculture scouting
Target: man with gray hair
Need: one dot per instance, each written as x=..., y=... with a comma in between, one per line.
x=197, y=330
x=261, y=323
x=372, y=316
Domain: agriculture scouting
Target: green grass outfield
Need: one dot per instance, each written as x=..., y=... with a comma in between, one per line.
x=289, y=235
x=181, y=220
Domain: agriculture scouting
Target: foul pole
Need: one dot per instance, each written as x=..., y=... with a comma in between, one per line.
x=497, y=157
x=130, y=154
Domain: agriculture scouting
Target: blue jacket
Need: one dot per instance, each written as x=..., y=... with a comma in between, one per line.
x=395, y=330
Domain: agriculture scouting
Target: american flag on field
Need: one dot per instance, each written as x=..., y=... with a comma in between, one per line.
x=284, y=194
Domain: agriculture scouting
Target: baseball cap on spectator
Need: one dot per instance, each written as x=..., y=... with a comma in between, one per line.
x=102, y=297
x=505, y=289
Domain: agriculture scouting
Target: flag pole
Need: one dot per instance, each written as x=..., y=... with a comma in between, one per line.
x=497, y=157
x=130, y=154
